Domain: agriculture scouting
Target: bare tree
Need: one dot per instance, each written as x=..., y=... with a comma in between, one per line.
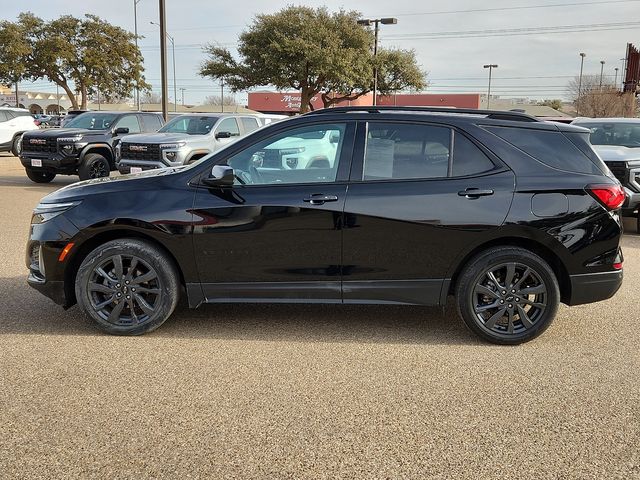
x=597, y=99
x=151, y=97
x=218, y=100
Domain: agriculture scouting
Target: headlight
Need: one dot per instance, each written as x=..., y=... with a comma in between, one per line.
x=291, y=151
x=171, y=156
x=46, y=211
x=172, y=145
x=68, y=149
x=75, y=138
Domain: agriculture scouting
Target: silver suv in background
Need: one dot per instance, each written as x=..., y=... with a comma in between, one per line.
x=184, y=139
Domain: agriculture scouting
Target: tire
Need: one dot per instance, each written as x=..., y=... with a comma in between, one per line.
x=39, y=176
x=144, y=281
x=94, y=165
x=15, y=146
x=507, y=316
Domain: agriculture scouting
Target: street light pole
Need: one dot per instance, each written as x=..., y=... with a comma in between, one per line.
x=135, y=31
x=601, y=72
x=376, y=22
x=582, y=55
x=182, y=89
x=490, y=67
x=173, y=53
x=615, y=82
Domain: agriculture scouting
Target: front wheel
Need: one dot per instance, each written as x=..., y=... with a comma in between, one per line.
x=16, y=145
x=127, y=286
x=94, y=165
x=507, y=295
x=39, y=176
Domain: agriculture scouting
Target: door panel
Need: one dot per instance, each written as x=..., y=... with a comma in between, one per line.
x=266, y=242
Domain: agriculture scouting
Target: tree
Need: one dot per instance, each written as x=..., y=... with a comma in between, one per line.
x=555, y=104
x=82, y=55
x=598, y=100
x=151, y=97
x=14, y=48
x=218, y=100
x=313, y=51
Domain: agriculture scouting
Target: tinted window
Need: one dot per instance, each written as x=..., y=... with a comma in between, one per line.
x=401, y=151
x=229, y=125
x=130, y=122
x=249, y=124
x=152, y=123
x=468, y=159
x=190, y=124
x=301, y=155
x=549, y=147
x=92, y=121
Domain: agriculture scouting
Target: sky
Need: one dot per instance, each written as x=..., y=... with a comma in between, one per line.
x=535, y=43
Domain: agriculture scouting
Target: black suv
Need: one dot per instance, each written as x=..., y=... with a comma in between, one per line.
x=84, y=147
x=406, y=206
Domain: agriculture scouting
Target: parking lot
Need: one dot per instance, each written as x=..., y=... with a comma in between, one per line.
x=249, y=391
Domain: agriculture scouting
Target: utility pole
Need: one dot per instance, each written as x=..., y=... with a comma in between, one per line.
x=601, y=72
x=173, y=50
x=163, y=59
x=17, y=99
x=490, y=67
x=367, y=23
x=58, y=97
x=135, y=31
x=582, y=55
x=222, y=94
x=182, y=89
x=615, y=82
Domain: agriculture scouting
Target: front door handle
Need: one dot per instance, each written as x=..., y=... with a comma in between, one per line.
x=320, y=199
x=475, y=192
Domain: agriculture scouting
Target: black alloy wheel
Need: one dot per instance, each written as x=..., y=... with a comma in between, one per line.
x=128, y=286
x=39, y=176
x=507, y=295
x=94, y=165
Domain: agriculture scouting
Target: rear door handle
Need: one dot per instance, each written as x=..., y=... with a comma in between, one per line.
x=475, y=192
x=320, y=198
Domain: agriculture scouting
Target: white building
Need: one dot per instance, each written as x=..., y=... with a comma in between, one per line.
x=36, y=102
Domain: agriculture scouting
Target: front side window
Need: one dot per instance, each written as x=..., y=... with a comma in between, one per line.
x=229, y=125
x=130, y=122
x=302, y=155
x=93, y=121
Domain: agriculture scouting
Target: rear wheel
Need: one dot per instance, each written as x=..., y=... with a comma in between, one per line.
x=507, y=295
x=127, y=286
x=39, y=176
x=94, y=165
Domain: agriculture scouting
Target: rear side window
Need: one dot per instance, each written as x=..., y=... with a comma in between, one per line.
x=249, y=124
x=3, y=116
x=468, y=159
x=549, y=147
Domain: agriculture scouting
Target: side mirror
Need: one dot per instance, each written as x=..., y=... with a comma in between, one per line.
x=220, y=176
x=223, y=135
x=122, y=130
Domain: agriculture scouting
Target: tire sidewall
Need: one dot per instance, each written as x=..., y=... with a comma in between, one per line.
x=39, y=176
x=167, y=275
x=84, y=172
x=494, y=257
x=14, y=146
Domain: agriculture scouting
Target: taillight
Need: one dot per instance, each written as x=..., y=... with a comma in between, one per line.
x=611, y=196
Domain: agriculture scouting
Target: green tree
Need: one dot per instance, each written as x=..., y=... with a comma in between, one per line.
x=314, y=51
x=14, y=49
x=82, y=56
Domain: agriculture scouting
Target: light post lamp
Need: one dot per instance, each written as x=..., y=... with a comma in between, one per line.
x=135, y=31
x=367, y=23
x=490, y=67
x=582, y=55
x=601, y=72
x=173, y=51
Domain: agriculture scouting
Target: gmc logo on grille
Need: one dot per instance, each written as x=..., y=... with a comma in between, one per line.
x=38, y=141
x=137, y=148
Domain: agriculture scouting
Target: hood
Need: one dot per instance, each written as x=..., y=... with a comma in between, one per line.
x=294, y=142
x=617, y=153
x=154, y=138
x=80, y=190
x=63, y=132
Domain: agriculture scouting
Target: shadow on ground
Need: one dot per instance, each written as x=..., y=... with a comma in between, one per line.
x=25, y=311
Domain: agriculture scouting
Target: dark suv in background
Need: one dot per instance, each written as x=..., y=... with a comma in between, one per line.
x=84, y=147
x=508, y=214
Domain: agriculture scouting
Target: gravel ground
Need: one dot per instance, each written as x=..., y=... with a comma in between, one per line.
x=246, y=391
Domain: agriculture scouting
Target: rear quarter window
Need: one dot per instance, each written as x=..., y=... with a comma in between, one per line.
x=549, y=147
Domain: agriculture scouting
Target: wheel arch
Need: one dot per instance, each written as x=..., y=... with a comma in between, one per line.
x=101, y=238
x=543, y=251
x=102, y=149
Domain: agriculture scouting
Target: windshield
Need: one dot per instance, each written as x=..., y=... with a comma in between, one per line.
x=92, y=121
x=620, y=134
x=191, y=125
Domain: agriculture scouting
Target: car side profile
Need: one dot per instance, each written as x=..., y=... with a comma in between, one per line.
x=13, y=123
x=509, y=215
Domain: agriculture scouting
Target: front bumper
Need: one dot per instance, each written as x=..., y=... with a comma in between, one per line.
x=594, y=287
x=51, y=162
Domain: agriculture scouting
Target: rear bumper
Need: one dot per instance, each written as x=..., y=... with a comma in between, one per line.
x=594, y=287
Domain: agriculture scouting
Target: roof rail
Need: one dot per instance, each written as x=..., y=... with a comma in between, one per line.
x=493, y=114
